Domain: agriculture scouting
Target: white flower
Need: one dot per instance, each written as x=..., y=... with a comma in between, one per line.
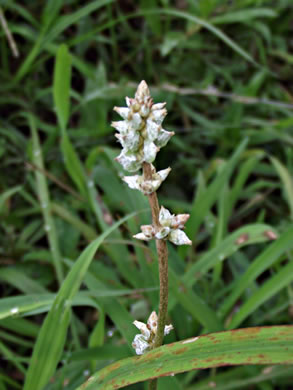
x=138, y=182
x=170, y=229
x=178, y=237
x=144, y=341
x=140, y=344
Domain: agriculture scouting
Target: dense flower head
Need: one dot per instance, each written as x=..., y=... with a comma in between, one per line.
x=143, y=342
x=170, y=229
x=140, y=133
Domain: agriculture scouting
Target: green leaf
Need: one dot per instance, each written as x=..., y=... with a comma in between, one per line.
x=207, y=198
x=247, y=235
x=260, y=345
x=244, y=15
x=271, y=287
x=265, y=260
x=287, y=180
x=61, y=85
x=52, y=336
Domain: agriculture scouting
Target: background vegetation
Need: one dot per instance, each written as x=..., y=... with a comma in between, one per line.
x=225, y=70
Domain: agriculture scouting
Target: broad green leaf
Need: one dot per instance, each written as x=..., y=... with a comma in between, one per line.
x=260, y=345
x=52, y=336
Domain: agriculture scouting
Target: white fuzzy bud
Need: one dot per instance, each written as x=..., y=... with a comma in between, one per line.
x=165, y=217
x=120, y=126
x=152, y=129
x=133, y=182
x=159, y=115
x=124, y=112
x=158, y=106
x=164, y=137
x=129, y=162
x=150, y=151
x=147, y=187
x=168, y=329
x=148, y=231
x=178, y=221
x=163, y=233
x=141, y=236
x=140, y=344
x=178, y=237
x=143, y=329
x=144, y=341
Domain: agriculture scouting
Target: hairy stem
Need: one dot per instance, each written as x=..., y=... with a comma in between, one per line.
x=162, y=251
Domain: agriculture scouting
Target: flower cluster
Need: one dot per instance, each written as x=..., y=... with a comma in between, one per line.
x=140, y=133
x=144, y=341
x=170, y=229
x=141, y=136
x=138, y=182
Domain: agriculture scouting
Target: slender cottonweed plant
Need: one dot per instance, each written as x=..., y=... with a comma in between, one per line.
x=141, y=136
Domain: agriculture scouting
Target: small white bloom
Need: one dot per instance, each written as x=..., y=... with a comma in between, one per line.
x=142, y=91
x=163, y=137
x=152, y=130
x=178, y=221
x=150, y=151
x=162, y=174
x=144, y=110
x=178, y=237
x=158, y=106
x=163, y=233
x=129, y=162
x=133, y=181
x=153, y=322
x=143, y=329
x=148, y=231
x=165, y=217
x=143, y=342
x=168, y=329
x=135, y=122
x=124, y=112
x=140, y=344
x=121, y=126
x=159, y=115
x=137, y=182
x=141, y=236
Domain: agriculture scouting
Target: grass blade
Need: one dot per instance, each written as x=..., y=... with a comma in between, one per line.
x=263, y=345
x=52, y=336
x=265, y=260
x=61, y=85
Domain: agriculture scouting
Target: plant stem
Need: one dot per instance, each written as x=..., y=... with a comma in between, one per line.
x=162, y=251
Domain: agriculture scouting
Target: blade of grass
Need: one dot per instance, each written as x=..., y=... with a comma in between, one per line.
x=267, y=345
x=251, y=234
x=287, y=180
x=265, y=260
x=52, y=336
x=61, y=85
x=45, y=202
x=203, y=203
x=270, y=288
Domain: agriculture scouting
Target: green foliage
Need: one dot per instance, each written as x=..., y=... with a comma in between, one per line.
x=66, y=310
